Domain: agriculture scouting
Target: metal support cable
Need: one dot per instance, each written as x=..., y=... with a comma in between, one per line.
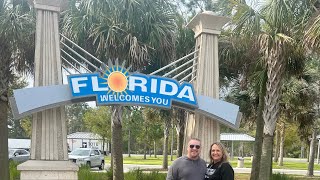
x=75, y=60
x=81, y=49
x=100, y=70
x=186, y=76
x=174, y=62
x=65, y=68
x=179, y=67
x=70, y=64
x=193, y=79
x=174, y=77
x=84, y=59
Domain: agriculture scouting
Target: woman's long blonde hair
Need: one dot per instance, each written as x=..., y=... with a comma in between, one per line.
x=225, y=155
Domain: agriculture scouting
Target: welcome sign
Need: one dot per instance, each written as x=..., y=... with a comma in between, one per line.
x=118, y=86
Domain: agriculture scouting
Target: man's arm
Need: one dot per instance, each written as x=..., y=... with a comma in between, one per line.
x=172, y=172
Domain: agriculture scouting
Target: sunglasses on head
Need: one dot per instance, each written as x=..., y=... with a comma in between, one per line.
x=192, y=146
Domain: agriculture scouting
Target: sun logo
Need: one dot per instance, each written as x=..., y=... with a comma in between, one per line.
x=117, y=79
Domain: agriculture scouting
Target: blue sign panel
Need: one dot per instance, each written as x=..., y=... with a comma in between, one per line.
x=118, y=86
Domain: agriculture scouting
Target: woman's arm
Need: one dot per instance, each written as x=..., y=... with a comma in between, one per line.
x=227, y=172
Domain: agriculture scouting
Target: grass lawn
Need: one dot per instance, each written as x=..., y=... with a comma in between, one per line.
x=139, y=160
x=242, y=176
x=247, y=163
x=247, y=177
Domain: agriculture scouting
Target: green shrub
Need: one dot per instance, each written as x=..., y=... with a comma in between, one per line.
x=140, y=175
x=14, y=173
x=281, y=177
x=85, y=174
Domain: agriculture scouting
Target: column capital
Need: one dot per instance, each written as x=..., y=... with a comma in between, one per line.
x=207, y=22
x=50, y=5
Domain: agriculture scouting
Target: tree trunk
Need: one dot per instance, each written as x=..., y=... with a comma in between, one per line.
x=172, y=142
x=282, y=136
x=165, y=144
x=266, y=158
x=155, y=149
x=241, y=149
x=312, y=151
x=116, y=146
x=103, y=145
x=259, y=135
x=145, y=147
x=180, y=137
x=4, y=170
x=302, y=152
x=277, y=146
x=111, y=162
x=129, y=142
x=145, y=150
x=308, y=153
x=181, y=120
x=318, y=152
x=275, y=70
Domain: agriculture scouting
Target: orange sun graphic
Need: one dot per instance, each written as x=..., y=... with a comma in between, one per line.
x=117, y=79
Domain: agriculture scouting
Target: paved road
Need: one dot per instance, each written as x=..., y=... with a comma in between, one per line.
x=128, y=167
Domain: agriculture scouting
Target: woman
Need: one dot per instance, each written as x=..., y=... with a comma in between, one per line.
x=219, y=167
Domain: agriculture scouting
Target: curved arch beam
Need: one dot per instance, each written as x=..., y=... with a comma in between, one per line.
x=31, y=100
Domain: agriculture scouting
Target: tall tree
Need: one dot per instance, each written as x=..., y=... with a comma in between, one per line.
x=165, y=115
x=133, y=125
x=154, y=122
x=75, y=114
x=279, y=39
x=135, y=31
x=312, y=152
x=242, y=67
x=17, y=29
x=98, y=120
x=16, y=129
x=180, y=119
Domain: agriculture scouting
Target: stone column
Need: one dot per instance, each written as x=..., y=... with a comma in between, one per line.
x=49, y=155
x=207, y=28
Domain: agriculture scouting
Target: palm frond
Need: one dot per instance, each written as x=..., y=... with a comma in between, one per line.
x=312, y=34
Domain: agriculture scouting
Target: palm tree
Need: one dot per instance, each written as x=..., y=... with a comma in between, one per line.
x=137, y=31
x=16, y=56
x=279, y=44
x=277, y=30
x=241, y=62
x=312, y=31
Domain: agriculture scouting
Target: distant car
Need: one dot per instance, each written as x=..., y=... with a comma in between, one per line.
x=18, y=155
x=87, y=156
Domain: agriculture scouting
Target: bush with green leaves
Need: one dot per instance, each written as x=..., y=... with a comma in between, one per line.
x=281, y=177
x=140, y=175
x=14, y=173
x=85, y=173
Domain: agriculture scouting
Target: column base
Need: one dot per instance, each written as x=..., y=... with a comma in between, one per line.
x=203, y=128
x=54, y=170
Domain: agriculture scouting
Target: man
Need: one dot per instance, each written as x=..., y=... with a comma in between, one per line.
x=190, y=167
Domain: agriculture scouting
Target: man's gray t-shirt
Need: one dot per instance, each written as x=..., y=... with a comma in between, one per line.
x=187, y=169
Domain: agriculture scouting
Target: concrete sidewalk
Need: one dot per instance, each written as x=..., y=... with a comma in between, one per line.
x=280, y=171
x=128, y=167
